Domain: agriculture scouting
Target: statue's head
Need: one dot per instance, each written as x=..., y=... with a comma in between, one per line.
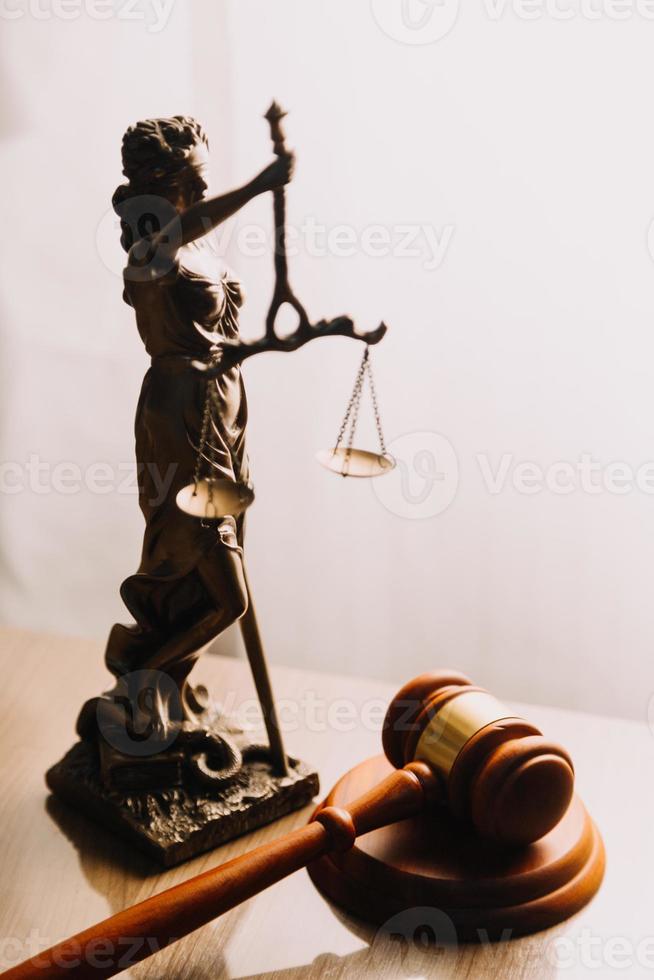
x=165, y=158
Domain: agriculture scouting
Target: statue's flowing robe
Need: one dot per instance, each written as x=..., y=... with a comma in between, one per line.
x=181, y=313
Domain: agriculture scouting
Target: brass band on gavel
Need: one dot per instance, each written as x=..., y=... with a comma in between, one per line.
x=454, y=724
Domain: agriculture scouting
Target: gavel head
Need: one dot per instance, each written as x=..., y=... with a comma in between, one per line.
x=497, y=770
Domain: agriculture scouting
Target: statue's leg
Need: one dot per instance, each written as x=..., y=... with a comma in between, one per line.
x=222, y=576
x=223, y=598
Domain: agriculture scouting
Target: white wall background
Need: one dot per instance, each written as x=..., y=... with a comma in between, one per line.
x=532, y=141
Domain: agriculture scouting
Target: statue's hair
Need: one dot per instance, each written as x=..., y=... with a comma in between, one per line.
x=155, y=154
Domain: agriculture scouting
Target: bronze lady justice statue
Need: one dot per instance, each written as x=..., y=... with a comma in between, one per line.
x=191, y=583
x=154, y=730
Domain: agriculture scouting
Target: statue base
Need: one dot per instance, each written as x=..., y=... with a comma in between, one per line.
x=175, y=824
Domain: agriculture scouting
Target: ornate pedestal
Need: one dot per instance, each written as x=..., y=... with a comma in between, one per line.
x=174, y=824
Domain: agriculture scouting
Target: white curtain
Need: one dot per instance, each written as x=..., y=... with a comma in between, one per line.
x=519, y=155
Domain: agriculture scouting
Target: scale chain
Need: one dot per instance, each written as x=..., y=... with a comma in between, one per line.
x=356, y=404
x=201, y=462
x=352, y=411
x=211, y=400
x=204, y=431
x=375, y=408
x=353, y=404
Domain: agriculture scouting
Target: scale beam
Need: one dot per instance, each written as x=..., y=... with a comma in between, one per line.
x=231, y=353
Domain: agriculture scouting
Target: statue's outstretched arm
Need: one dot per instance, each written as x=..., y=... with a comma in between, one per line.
x=205, y=215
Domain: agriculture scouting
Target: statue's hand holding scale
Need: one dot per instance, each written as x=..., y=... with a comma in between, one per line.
x=155, y=744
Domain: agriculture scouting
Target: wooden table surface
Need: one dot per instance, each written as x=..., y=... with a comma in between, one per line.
x=60, y=873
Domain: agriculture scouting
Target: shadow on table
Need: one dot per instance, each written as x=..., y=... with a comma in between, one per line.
x=122, y=876
x=120, y=873
x=385, y=960
x=97, y=848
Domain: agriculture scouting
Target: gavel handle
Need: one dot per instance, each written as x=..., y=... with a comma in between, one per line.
x=136, y=933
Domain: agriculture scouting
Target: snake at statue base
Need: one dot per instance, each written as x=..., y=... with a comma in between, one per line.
x=214, y=759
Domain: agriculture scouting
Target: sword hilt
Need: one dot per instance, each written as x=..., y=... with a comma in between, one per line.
x=283, y=292
x=274, y=116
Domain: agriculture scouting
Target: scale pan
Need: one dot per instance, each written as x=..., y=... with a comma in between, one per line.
x=223, y=498
x=355, y=462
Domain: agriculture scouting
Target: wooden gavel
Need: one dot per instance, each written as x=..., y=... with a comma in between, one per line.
x=452, y=744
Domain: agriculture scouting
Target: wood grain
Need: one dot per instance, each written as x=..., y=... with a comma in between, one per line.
x=60, y=873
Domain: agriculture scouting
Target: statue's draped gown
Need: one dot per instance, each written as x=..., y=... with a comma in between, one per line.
x=181, y=313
